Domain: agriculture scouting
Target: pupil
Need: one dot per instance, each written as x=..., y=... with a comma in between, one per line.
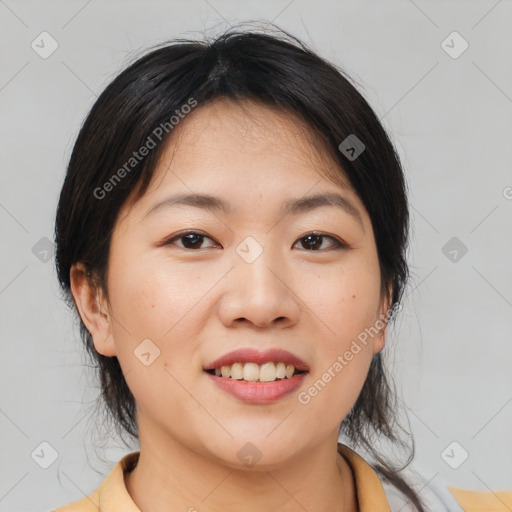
x=313, y=245
x=193, y=242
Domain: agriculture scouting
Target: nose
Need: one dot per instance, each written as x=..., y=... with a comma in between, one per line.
x=259, y=293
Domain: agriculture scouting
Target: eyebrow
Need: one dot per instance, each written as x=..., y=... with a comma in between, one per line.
x=289, y=207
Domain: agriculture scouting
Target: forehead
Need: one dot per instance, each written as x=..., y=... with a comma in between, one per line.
x=251, y=156
x=245, y=119
x=250, y=141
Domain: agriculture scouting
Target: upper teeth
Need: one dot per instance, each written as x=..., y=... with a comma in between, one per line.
x=252, y=372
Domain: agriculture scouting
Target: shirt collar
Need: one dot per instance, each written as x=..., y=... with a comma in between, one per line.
x=370, y=493
x=113, y=495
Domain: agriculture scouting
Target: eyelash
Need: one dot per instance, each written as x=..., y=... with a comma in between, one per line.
x=338, y=243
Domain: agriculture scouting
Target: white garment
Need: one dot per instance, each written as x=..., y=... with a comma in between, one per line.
x=435, y=496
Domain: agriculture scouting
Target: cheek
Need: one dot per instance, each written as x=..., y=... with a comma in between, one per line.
x=167, y=304
x=347, y=300
x=341, y=366
x=347, y=304
x=156, y=332
x=152, y=299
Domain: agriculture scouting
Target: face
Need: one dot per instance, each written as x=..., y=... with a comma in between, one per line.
x=191, y=283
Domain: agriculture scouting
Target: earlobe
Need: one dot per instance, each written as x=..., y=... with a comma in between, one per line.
x=93, y=309
x=379, y=341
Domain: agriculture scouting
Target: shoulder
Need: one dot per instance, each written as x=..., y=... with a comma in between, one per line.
x=86, y=504
x=112, y=493
x=490, y=501
x=434, y=495
x=371, y=482
x=442, y=498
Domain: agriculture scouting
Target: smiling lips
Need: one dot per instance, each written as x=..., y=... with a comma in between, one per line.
x=250, y=355
x=252, y=372
x=258, y=377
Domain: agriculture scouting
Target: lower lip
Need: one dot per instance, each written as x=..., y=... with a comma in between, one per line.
x=258, y=392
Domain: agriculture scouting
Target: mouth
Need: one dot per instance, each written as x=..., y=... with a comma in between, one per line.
x=252, y=372
x=251, y=365
x=257, y=378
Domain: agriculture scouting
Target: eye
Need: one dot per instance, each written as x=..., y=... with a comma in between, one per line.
x=313, y=241
x=191, y=239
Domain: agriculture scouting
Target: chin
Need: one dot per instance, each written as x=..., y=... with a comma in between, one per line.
x=256, y=454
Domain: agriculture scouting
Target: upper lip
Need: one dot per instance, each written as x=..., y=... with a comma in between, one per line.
x=251, y=355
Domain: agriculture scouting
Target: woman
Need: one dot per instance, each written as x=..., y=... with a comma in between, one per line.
x=232, y=232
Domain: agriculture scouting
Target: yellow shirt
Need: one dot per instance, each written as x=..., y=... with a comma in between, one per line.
x=112, y=496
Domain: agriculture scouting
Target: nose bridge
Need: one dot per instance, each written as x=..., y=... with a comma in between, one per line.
x=257, y=288
x=257, y=265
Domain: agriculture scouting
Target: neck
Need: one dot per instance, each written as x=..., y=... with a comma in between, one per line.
x=170, y=476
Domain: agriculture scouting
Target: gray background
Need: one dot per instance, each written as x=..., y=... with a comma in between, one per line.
x=451, y=120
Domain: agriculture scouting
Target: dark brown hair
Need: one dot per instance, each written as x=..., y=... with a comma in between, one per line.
x=274, y=69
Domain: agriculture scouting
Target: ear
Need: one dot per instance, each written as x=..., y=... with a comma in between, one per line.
x=93, y=309
x=381, y=321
